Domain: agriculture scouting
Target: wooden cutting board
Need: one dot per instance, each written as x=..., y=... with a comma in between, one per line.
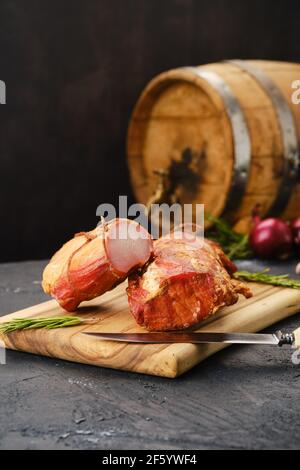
x=110, y=313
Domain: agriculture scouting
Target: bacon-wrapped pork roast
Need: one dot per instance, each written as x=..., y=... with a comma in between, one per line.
x=95, y=262
x=188, y=279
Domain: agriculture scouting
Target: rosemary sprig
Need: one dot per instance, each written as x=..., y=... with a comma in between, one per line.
x=48, y=323
x=239, y=249
x=234, y=244
x=263, y=277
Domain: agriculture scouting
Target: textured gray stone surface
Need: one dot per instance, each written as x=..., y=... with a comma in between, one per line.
x=243, y=397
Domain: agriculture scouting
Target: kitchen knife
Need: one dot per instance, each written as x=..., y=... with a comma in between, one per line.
x=277, y=339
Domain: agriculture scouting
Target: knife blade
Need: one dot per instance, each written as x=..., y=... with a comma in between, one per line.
x=276, y=339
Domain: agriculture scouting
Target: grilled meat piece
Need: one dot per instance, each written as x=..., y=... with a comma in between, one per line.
x=94, y=262
x=188, y=280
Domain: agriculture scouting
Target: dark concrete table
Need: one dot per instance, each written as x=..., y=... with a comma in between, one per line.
x=243, y=397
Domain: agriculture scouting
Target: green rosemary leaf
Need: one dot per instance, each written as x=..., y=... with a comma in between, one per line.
x=263, y=277
x=223, y=228
x=43, y=322
x=240, y=249
x=234, y=244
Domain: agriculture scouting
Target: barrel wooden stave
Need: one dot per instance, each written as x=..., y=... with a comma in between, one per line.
x=179, y=109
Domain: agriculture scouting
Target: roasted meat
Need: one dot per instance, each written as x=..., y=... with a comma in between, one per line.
x=188, y=279
x=94, y=262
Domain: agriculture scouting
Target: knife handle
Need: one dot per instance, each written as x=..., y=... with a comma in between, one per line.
x=297, y=338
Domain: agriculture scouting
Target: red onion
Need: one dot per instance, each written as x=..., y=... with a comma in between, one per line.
x=295, y=226
x=271, y=238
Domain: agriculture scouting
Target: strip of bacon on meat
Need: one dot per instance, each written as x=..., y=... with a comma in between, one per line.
x=95, y=262
x=187, y=280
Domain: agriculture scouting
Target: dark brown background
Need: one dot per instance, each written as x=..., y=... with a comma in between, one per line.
x=74, y=69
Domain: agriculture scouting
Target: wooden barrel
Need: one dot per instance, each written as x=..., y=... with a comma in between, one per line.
x=231, y=128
